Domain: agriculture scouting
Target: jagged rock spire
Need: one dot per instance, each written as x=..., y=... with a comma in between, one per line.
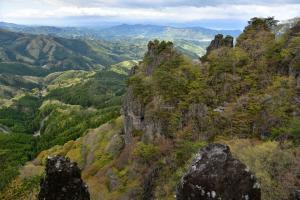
x=62, y=181
x=219, y=42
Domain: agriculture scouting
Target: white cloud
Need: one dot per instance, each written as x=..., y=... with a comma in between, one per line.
x=166, y=3
x=82, y=12
x=176, y=14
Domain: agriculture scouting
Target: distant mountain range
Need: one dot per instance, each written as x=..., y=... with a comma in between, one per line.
x=191, y=41
x=165, y=32
x=28, y=54
x=121, y=31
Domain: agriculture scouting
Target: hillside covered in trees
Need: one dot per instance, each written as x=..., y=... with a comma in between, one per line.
x=38, y=55
x=62, y=107
x=244, y=95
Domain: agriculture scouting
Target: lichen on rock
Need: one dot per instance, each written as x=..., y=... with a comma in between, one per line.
x=215, y=174
x=62, y=181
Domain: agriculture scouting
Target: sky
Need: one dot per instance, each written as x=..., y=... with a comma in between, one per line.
x=218, y=14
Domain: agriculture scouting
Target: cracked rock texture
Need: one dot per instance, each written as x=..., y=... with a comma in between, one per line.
x=219, y=42
x=215, y=174
x=62, y=181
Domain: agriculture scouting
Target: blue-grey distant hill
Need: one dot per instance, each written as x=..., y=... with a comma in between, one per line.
x=32, y=54
x=124, y=30
x=191, y=41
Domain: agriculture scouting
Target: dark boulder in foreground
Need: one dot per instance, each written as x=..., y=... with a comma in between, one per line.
x=297, y=195
x=215, y=174
x=62, y=181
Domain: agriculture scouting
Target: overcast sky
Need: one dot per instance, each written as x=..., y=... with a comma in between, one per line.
x=210, y=13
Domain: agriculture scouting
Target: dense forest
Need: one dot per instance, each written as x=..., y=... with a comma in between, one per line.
x=35, y=122
x=134, y=136
x=244, y=95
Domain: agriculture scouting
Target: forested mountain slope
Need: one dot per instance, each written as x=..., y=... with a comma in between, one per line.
x=122, y=31
x=53, y=110
x=38, y=55
x=245, y=96
x=190, y=41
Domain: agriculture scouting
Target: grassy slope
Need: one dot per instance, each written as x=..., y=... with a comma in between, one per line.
x=40, y=112
x=99, y=155
x=255, y=95
x=13, y=87
x=124, y=67
x=91, y=151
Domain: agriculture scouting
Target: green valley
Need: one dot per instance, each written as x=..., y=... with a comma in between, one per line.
x=133, y=113
x=40, y=112
x=135, y=137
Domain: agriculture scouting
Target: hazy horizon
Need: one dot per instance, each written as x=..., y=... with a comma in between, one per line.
x=215, y=14
x=100, y=24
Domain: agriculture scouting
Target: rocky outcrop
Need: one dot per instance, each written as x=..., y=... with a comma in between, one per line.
x=297, y=195
x=219, y=42
x=113, y=181
x=293, y=58
x=136, y=115
x=133, y=115
x=150, y=119
x=149, y=183
x=215, y=174
x=157, y=53
x=62, y=181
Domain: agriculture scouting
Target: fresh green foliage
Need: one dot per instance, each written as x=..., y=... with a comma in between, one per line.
x=64, y=122
x=141, y=88
x=185, y=149
x=237, y=91
x=20, y=117
x=21, y=69
x=245, y=91
x=290, y=129
x=39, y=55
x=26, y=188
x=104, y=89
x=147, y=153
x=62, y=107
x=273, y=165
x=15, y=150
x=181, y=156
x=123, y=67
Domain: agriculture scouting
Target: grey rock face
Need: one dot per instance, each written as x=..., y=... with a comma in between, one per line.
x=115, y=145
x=113, y=180
x=136, y=115
x=62, y=181
x=293, y=61
x=297, y=195
x=139, y=117
x=219, y=42
x=149, y=183
x=158, y=53
x=133, y=115
x=215, y=174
